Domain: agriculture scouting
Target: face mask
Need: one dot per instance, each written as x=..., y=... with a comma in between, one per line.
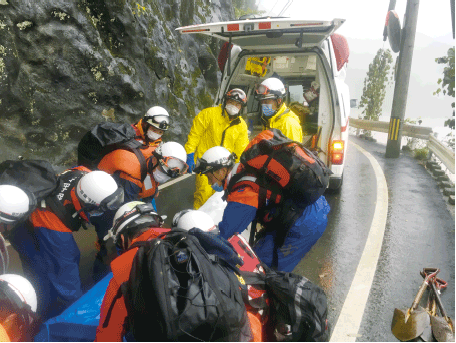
x=267, y=109
x=160, y=176
x=153, y=136
x=216, y=187
x=232, y=110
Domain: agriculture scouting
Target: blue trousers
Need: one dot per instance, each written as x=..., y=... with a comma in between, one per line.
x=300, y=238
x=50, y=261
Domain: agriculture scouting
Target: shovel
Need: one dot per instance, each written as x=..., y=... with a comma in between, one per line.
x=409, y=324
x=431, y=307
x=443, y=328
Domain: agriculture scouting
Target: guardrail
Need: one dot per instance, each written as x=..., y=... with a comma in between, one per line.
x=443, y=153
x=414, y=131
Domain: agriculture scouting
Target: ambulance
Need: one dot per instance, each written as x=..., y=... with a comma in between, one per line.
x=310, y=59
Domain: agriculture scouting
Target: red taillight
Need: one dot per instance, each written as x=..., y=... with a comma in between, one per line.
x=337, y=153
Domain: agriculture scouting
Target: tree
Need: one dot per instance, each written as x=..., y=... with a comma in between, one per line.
x=244, y=7
x=447, y=83
x=378, y=77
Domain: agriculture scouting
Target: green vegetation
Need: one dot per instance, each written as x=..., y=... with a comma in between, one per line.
x=421, y=154
x=378, y=77
x=447, y=88
x=245, y=7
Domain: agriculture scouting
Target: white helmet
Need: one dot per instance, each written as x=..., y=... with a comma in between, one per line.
x=271, y=88
x=194, y=218
x=158, y=117
x=22, y=288
x=133, y=214
x=172, y=156
x=14, y=203
x=213, y=159
x=98, y=190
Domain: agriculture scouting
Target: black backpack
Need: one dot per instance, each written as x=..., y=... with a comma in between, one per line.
x=35, y=177
x=177, y=291
x=298, y=308
x=107, y=137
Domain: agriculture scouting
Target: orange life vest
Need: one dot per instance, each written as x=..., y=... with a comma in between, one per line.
x=127, y=164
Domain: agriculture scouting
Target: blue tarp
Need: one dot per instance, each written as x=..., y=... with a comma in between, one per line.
x=78, y=322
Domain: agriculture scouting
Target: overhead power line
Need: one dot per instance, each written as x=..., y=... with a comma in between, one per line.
x=287, y=5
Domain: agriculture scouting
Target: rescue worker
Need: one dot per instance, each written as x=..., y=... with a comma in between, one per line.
x=242, y=208
x=152, y=126
x=133, y=222
x=162, y=163
x=187, y=220
x=274, y=112
x=216, y=126
x=45, y=243
x=14, y=206
x=18, y=322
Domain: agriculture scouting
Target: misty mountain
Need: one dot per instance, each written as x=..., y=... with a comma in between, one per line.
x=423, y=79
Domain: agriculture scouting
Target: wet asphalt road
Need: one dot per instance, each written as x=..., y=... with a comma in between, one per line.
x=419, y=233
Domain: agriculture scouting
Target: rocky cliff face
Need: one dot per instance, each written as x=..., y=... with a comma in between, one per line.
x=66, y=65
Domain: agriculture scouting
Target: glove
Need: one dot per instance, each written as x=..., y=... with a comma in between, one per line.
x=191, y=162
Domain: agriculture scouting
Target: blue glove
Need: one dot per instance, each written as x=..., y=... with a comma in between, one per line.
x=191, y=162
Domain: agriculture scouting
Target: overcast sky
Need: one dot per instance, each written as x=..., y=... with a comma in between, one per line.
x=366, y=18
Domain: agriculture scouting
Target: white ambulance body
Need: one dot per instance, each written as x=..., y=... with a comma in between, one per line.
x=308, y=57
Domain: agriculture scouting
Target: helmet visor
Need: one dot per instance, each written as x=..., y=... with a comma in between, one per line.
x=262, y=90
x=203, y=167
x=114, y=201
x=161, y=122
x=173, y=167
x=237, y=95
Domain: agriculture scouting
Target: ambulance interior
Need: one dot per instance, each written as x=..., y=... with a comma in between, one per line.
x=301, y=73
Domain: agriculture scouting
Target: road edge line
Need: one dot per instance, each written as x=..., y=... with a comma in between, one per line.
x=350, y=317
x=172, y=182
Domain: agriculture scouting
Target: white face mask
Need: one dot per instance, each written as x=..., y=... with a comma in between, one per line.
x=153, y=135
x=160, y=176
x=232, y=110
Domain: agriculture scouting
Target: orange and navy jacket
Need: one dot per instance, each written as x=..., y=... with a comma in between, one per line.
x=242, y=205
x=124, y=165
x=141, y=136
x=115, y=327
x=66, y=200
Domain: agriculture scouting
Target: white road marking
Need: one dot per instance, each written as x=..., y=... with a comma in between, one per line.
x=169, y=183
x=349, y=321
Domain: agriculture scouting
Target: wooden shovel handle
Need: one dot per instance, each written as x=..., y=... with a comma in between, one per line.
x=439, y=302
x=423, y=286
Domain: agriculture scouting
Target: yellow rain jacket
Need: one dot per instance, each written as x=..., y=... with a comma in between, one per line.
x=288, y=122
x=206, y=132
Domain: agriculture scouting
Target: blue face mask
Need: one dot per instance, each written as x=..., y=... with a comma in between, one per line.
x=216, y=187
x=267, y=110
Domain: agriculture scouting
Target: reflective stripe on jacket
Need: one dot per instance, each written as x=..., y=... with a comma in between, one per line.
x=287, y=122
x=207, y=131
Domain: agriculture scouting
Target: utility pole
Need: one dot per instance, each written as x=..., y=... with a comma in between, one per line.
x=393, y=145
x=452, y=15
